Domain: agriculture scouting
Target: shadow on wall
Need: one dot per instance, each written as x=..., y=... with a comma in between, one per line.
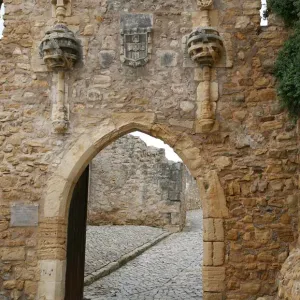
x=131, y=183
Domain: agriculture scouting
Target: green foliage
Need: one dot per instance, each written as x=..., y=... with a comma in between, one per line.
x=287, y=72
x=287, y=9
x=287, y=69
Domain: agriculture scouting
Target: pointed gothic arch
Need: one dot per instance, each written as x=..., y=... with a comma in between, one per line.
x=54, y=214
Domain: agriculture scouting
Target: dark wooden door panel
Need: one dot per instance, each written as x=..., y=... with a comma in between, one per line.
x=76, y=239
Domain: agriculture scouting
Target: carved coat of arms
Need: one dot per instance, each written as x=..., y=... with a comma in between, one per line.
x=135, y=46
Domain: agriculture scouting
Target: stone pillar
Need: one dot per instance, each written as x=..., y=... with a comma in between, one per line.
x=205, y=115
x=60, y=113
x=214, y=212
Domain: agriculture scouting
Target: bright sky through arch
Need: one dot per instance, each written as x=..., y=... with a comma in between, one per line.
x=151, y=141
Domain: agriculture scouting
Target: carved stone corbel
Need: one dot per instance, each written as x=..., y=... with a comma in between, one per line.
x=204, y=4
x=61, y=9
x=205, y=47
x=60, y=51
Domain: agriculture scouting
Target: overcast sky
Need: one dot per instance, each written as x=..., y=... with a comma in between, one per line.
x=151, y=141
x=1, y=20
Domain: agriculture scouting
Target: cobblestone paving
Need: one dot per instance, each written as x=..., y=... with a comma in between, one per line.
x=105, y=244
x=168, y=271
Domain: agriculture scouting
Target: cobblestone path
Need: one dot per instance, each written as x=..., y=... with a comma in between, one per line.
x=105, y=244
x=168, y=271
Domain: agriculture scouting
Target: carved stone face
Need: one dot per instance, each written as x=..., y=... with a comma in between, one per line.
x=59, y=48
x=205, y=46
x=204, y=3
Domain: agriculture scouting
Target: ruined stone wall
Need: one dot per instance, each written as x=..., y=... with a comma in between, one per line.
x=131, y=183
x=246, y=167
x=192, y=195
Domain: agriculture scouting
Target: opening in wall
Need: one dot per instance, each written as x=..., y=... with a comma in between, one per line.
x=131, y=204
x=264, y=13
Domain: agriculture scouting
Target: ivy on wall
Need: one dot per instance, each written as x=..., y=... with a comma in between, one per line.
x=287, y=66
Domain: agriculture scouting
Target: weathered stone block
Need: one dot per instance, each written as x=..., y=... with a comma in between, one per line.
x=109, y=43
x=208, y=230
x=213, y=279
x=51, y=290
x=213, y=230
x=10, y=284
x=219, y=229
x=212, y=296
x=242, y=22
x=88, y=30
x=213, y=196
x=252, y=287
x=222, y=162
x=218, y=253
x=263, y=236
x=232, y=234
x=12, y=253
x=30, y=287
x=102, y=81
x=107, y=57
x=167, y=58
x=132, y=21
x=207, y=253
x=52, y=270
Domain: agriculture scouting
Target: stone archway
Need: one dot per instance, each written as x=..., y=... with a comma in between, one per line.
x=52, y=241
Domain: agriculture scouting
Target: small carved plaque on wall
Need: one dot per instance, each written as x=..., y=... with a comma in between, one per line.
x=136, y=39
x=24, y=215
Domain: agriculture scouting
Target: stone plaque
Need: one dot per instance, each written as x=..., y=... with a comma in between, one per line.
x=24, y=215
x=135, y=39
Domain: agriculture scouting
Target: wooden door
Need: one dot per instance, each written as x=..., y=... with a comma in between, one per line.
x=76, y=239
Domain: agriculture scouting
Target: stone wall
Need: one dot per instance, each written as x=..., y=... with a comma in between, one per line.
x=192, y=196
x=246, y=165
x=131, y=183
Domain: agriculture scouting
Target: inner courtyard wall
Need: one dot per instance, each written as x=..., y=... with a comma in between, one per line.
x=191, y=191
x=246, y=169
x=131, y=183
